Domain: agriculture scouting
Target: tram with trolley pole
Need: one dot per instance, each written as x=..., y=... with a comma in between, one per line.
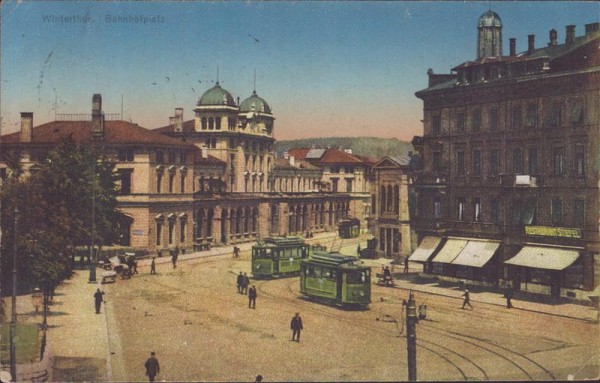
x=280, y=256
x=336, y=279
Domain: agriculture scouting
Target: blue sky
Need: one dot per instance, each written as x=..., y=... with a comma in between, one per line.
x=326, y=68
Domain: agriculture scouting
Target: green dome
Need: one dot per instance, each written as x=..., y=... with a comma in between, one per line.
x=489, y=19
x=216, y=96
x=255, y=104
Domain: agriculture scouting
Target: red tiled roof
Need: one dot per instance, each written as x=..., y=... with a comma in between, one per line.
x=331, y=156
x=299, y=153
x=115, y=132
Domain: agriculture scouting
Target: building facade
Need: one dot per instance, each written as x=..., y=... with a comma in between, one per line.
x=509, y=185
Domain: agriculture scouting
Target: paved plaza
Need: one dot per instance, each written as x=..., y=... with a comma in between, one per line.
x=202, y=330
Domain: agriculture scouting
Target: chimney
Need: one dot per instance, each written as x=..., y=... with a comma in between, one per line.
x=513, y=46
x=204, y=151
x=285, y=155
x=590, y=28
x=178, y=119
x=530, y=43
x=97, y=117
x=292, y=160
x=348, y=150
x=26, y=126
x=570, y=34
x=553, y=37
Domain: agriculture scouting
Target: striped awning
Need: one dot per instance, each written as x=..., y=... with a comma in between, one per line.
x=476, y=253
x=425, y=249
x=543, y=257
x=451, y=249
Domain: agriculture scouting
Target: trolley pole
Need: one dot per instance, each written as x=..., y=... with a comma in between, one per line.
x=13, y=320
x=411, y=337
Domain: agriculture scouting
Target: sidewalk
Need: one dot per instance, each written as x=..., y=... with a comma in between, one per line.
x=412, y=281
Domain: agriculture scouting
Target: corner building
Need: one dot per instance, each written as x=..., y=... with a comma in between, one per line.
x=509, y=187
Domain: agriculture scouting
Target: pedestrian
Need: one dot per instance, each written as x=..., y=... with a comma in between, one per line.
x=98, y=298
x=467, y=299
x=387, y=276
x=406, y=265
x=259, y=378
x=296, y=326
x=252, y=297
x=152, y=366
x=245, y=283
x=174, y=258
x=240, y=281
x=236, y=252
x=508, y=294
x=358, y=250
x=153, y=266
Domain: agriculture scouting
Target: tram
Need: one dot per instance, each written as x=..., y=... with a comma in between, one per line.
x=277, y=257
x=337, y=279
x=349, y=228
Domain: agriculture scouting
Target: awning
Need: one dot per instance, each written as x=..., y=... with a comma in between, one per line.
x=451, y=249
x=476, y=253
x=425, y=249
x=542, y=257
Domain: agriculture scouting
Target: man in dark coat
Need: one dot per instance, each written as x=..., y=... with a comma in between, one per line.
x=240, y=281
x=153, y=266
x=296, y=326
x=152, y=367
x=98, y=300
x=508, y=294
x=467, y=299
x=252, y=297
x=245, y=283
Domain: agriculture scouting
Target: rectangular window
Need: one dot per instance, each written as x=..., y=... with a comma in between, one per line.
x=494, y=161
x=437, y=207
x=476, y=120
x=517, y=117
x=577, y=112
x=495, y=211
x=373, y=204
x=476, y=209
x=558, y=162
x=517, y=161
x=334, y=185
x=557, y=212
x=436, y=122
x=460, y=163
x=171, y=181
x=125, y=178
x=460, y=122
x=493, y=119
x=182, y=227
x=382, y=239
x=159, y=226
x=231, y=123
x=579, y=159
x=182, y=179
x=477, y=162
x=460, y=208
x=579, y=216
x=554, y=115
x=159, y=177
x=531, y=118
x=533, y=160
x=126, y=155
x=171, y=230
x=218, y=123
x=349, y=185
x=437, y=161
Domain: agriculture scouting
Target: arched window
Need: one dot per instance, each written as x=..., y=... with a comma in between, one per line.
x=383, y=200
x=204, y=124
x=396, y=199
x=390, y=198
x=211, y=123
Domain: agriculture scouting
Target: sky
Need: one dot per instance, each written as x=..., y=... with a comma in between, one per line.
x=325, y=68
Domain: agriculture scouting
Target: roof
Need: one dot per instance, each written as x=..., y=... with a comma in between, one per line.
x=489, y=19
x=450, y=251
x=255, y=104
x=329, y=156
x=209, y=160
x=216, y=96
x=282, y=163
x=188, y=126
x=542, y=257
x=115, y=133
x=400, y=160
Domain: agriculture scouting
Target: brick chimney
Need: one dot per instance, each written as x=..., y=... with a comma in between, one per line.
x=512, y=46
x=590, y=28
x=179, y=119
x=97, y=117
x=530, y=43
x=570, y=34
x=26, y=127
x=553, y=37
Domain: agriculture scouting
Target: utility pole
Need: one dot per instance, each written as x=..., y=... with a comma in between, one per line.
x=411, y=337
x=13, y=321
x=92, y=278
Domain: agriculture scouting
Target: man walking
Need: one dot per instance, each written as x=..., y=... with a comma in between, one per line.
x=174, y=255
x=153, y=266
x=240, y=281
x=245, y=283
x=508, y=294
x=152, y=367
x=467, y=299
x=296, y=326
x=98, y=300
x=252, y=297
x=406, y=265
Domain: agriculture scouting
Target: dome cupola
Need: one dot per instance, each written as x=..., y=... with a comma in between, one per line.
x=489, y=35
x=489, y=19
x=255, y=104
x=216, y=96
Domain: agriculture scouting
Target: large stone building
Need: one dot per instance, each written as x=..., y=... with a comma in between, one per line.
x=207, y=181
x=509, y=188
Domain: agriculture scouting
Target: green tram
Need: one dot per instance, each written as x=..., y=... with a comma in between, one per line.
x=349, y=228
x=337, y=279
x=276, y=257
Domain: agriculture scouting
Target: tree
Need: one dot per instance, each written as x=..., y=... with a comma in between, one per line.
x=55, y=203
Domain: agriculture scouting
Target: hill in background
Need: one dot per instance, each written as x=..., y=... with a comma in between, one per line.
x=372, y=147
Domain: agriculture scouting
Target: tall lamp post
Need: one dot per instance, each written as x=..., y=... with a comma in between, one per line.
x=411, y=337
x=92, y=278
x=13, y=321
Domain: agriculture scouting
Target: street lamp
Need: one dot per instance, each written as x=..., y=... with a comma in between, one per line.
x=411, y=336
x=92, y=278
x=13, y=321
